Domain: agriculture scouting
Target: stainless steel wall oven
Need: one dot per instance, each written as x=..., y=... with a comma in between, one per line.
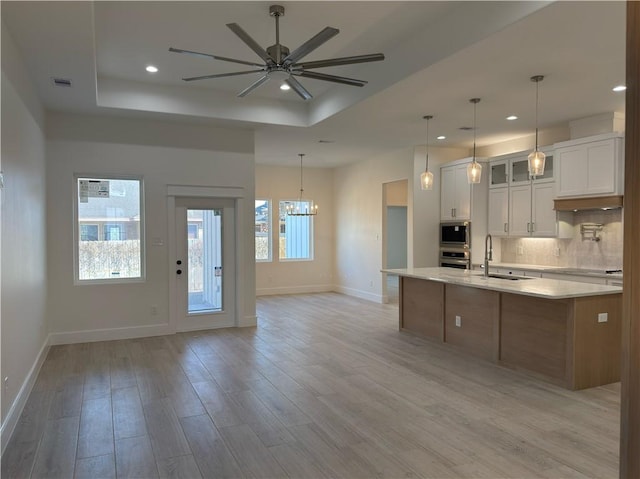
x=455, y=241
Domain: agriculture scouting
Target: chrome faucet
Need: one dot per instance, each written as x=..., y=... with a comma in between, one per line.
x=488, y=254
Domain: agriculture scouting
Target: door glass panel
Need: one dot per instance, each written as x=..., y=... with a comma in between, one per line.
x=548, y=168
x=499, y=174
x=519, y=171
x=204, y=243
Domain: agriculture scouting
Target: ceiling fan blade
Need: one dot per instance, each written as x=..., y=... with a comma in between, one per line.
x=332, y=62
x=310, y=45
x=298, y=88
x=253, y=86
x=331, y=78
x=250, y=42
x=222, y=75
x=215, y=57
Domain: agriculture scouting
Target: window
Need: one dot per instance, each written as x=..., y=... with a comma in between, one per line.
x=192, y=230
x=113, y=232
x=109, y=229
x=296, y=232
x=263, y=230
x=88, y=232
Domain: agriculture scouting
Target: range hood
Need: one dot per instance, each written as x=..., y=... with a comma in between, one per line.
x=588, y=203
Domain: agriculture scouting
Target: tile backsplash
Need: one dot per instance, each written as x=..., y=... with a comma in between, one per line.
x=575, y=252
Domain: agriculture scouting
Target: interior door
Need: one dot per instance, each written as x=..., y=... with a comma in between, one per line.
x=204, y=263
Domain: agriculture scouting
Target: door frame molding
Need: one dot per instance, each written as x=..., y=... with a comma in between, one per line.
x=208, y=192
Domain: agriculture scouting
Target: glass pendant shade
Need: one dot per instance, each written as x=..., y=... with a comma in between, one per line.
x=474, y=172
x=426, y=180
x=426, y=177
x=474, y=169
x=536, y=163
x=536, y=157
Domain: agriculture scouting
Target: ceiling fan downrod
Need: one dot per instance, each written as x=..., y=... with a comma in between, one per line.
x=277, y=52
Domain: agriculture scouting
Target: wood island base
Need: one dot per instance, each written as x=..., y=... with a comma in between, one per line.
x=572, y=342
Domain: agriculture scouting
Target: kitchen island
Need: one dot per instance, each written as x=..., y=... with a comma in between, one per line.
x=563, y=331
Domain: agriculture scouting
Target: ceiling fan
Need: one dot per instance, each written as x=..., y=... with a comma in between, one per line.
x=282, y=64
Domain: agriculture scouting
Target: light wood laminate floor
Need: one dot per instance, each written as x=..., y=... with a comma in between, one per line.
x=326, y=386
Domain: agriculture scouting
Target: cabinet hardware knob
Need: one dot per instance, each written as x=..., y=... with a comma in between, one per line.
x=179, y=271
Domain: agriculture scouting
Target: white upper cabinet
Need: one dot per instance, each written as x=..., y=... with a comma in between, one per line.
x=531, y=211
x=498, y=211
x=592, y=166
x=519, y=210
x=544, y=219
x=455, y=200
x=524, y=205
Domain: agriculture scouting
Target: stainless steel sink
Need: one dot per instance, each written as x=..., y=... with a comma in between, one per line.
x=506, y=276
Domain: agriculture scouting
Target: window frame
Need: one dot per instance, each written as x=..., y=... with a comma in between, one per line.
x=311, y=233
x=269, y=236
x=76, y=230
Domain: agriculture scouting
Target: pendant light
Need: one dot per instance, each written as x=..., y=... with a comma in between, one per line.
x=426, y=178
x=310, y=210
x=474, y=170
x=536, y=158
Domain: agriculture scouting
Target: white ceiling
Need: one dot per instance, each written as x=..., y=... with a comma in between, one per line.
x=438, y=56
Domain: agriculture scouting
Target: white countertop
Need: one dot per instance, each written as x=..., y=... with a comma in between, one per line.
x=538, y=287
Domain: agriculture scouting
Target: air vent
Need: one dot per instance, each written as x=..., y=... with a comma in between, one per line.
x=66, y=82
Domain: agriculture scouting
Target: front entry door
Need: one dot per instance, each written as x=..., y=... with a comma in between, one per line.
x=205, y=263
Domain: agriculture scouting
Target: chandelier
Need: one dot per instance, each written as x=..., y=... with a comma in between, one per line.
x=303, y=207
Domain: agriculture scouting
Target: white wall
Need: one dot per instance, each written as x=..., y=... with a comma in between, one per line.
x=285, y=277
x=108, y=146
x=23, y=299
x=358, y=195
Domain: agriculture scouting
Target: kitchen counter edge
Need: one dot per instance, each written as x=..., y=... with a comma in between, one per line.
x=537, y=287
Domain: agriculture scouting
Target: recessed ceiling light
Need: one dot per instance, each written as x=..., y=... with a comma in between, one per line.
x=285, y=87
x=512, y=117
x=441, y=137
x=151, y=69
x=619, y=88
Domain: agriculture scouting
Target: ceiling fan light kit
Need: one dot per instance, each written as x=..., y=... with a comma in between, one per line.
x=283, y=64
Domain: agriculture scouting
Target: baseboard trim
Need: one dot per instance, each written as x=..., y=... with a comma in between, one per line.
x=376, y=298
x=11, y=420
x=248, y=322
x=313, y=288
x=90, y=336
